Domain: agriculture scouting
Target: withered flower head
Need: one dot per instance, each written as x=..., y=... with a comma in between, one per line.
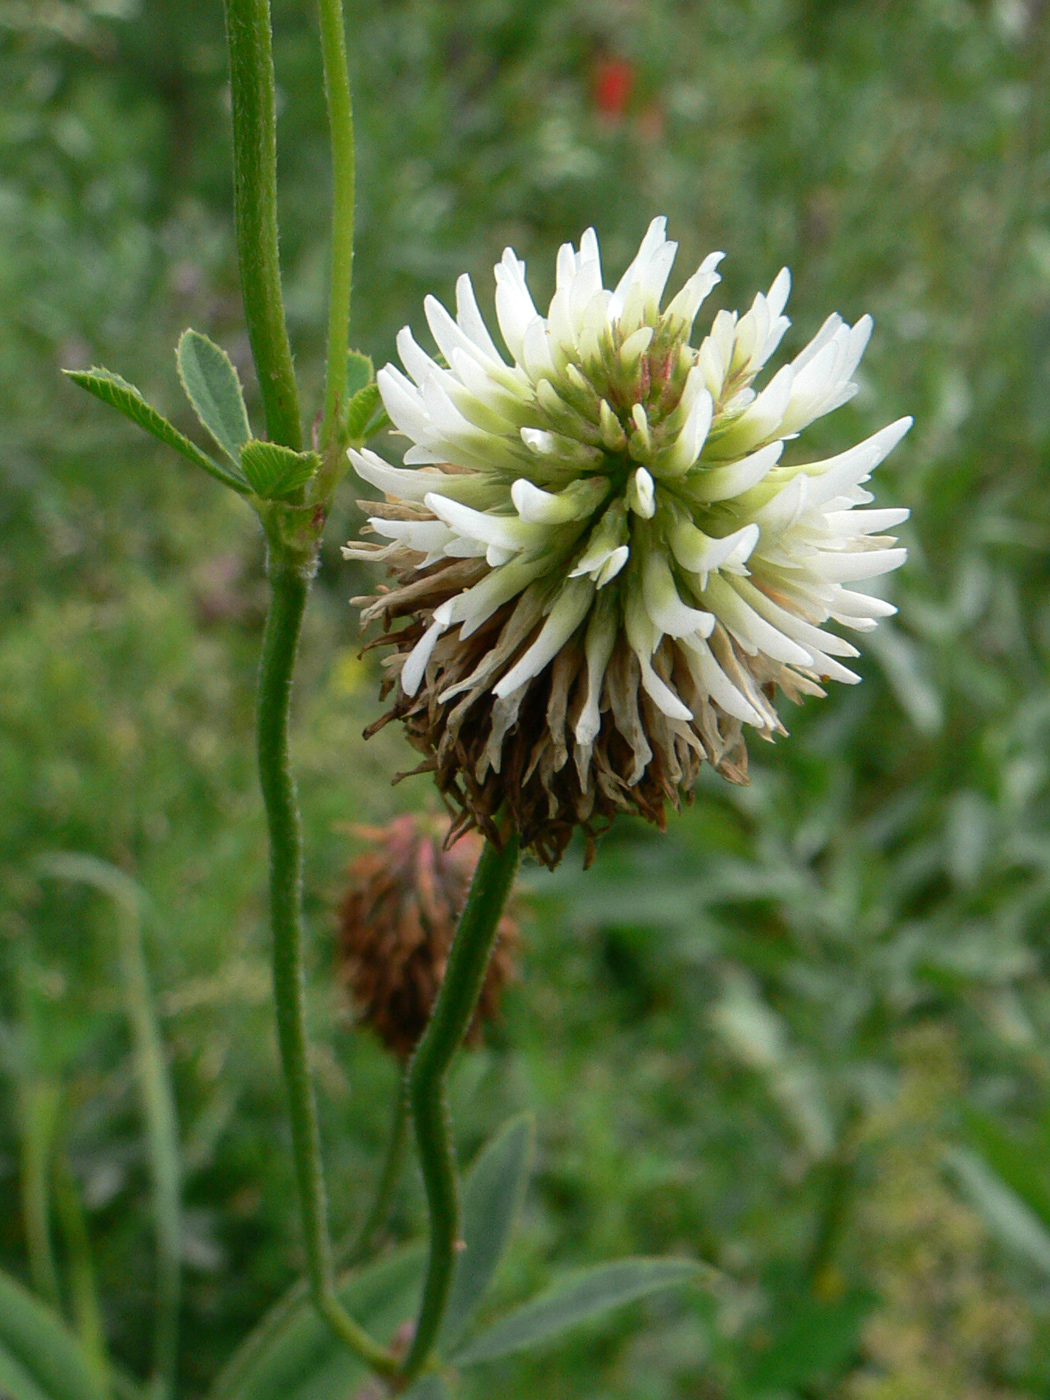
x=396, y=922
x=603, y=567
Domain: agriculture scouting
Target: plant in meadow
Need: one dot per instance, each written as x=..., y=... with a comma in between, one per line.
x=604, y=567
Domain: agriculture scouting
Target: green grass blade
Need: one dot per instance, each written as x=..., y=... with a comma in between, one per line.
x=35, y=1344
x=154, y=1084
x=491, y=1201
x=212, y=387
x=128, y=400
x=575, y=1299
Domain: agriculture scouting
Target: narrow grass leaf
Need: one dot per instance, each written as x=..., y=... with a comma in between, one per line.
x=38, y=1350
x=212, y=387
x=154, y=1086
x=15, y=1381
x=128, y=400
x=575, y=1299
x=491, y=1201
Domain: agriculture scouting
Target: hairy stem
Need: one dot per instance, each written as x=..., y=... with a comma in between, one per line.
x=290, y=586
x=453, y=1011
x=255, y=209
x=341, y=131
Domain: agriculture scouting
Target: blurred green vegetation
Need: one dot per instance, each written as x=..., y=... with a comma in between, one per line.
x=764, y=1037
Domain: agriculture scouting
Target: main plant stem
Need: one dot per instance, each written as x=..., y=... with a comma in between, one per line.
x=255, y=208
x=453, y=1012
x=341, y=131
x=290, y=586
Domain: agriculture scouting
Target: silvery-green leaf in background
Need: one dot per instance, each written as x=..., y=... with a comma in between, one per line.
x=1013, y=1223
x=128, y=400
x=214, y=390
x=491, y=1202
x=575, y=1299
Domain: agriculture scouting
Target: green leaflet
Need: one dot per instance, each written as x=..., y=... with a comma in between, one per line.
x=580, y=1296
x=128, y=400
x=212, y=387
x=491, y=1201
x=39, y=1357
x=292, y=1355
x=274, y=471
x=359, y=372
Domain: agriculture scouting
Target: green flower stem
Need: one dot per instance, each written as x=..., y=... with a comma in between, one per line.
x=453, y=1011
x=370, y=1232
x=290, y=586
x=341, y=130
x=255, y=208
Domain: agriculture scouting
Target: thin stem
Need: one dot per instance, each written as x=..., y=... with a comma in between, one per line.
x=87, y=1313
x=453, y=1011
x=290, y=585
x=38, y=1102
x=376, y=1219
x=255, y=208
x=341, y=129
x=162, y=1135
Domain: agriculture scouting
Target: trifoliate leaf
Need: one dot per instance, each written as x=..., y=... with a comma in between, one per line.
x=274, y=471
x=212, y=387
x=128, y=400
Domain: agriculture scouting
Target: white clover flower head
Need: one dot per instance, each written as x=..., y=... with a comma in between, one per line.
x=605, y=564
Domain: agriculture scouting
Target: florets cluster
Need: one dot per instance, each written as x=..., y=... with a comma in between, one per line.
x=604, y=563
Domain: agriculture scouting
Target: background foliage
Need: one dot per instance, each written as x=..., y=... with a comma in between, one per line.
x=804, y=1034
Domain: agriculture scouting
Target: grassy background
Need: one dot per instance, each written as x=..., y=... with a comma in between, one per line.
x=761, y=1037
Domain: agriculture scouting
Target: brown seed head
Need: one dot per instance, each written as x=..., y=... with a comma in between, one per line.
x=396, y=923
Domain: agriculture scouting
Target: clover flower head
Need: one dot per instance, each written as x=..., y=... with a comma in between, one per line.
x=605, y=564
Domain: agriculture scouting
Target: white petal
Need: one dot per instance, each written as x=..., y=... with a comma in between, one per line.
x=504, y=531
x=664, y=604
x=641, y=494
x=415, y=666
x=850, y=567
x=470, y=319
x=718, y=684
x=710, y=484
x=564, y=618
x=702, y=554
x=598, y=649
x=753, y=632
